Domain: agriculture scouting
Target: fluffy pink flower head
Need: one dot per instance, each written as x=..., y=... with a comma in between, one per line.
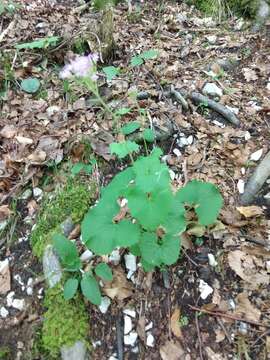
x=81, y=66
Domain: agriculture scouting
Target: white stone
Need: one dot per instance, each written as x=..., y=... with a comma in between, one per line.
x=130, y=261
x=86, y=255
x=131, y=338
x=37, y=192
x=177, y=152
x=243, y=170
x=105, y=304
x=219, y=124
x=190, y=139
x=212, y=39
x=123, y=202
x=96, y=344
x=3, y=264
x=127, y=324
x=150, y=341
x=204, y=289
x=9, y=298
x=3, y=312
x=149, y=326
x=268, y=86
x=130, y=312
x=115, y=257
x=241, y=186
x=29, y=291
x=212, y=261
x=247, y=135
x=52, y=110
x=256, y=155
x=182, y=141
x=18, y=304
x=212, y=89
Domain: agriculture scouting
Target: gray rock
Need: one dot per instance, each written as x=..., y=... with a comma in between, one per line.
x=26, y=195
x=211, y=89
x=51, y=267
x=76, y=352
x=67, y=226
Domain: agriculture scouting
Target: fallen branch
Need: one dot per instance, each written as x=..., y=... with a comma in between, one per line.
x=228, y=316
x=199, y=99
x=255, y=183
x=179, y=98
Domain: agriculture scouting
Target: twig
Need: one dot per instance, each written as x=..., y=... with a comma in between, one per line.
x=4, y=33
x=198, y=98
x=199, y=335
x=228, y=316
x=224, y=329
x=189, y=258
x=179, y=98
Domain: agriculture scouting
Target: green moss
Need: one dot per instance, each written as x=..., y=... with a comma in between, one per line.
x=71, y=201
x=247, y=8
x=65, y=322
x=4, y=353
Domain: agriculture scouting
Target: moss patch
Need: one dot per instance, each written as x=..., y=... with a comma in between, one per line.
x=71, y=201
x=65, y=321
x=247, y=8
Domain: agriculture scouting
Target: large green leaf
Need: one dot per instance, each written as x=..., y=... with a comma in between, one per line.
x=151, y=209
x=70, y=288
x=90, y=289
x=136, y=61
x=67, y=252
x=150, y=249
x=206, y=199
x=169, y=249
x=104, y=271
x=151, y=174
x=110, y=72
x=175, y=222
x=118, y=185
x=127, y=233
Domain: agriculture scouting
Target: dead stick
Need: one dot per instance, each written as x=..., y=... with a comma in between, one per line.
x=228, y=316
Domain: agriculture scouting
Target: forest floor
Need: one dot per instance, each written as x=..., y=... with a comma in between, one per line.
x=41, y=134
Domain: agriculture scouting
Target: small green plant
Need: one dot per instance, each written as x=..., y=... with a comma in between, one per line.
x=39, y=44
x=146, y=55
x=82, y=167
x=151, y=228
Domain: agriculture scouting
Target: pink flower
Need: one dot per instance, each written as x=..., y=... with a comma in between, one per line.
x=81, y=66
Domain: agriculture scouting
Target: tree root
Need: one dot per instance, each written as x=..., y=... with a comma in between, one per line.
x=256, y=181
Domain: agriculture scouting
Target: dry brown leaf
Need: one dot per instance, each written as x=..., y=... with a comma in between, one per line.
x=220, y=335
x=245, y=307
x=5, y=212
x=120, y=288
x=243, y=265
x=8, y=131
x=32, y=207
x=250, y=211
x=211, y=355
x=24, y=140
x=172, y=351
x=38, y=156
x=4, y=277
x=175, y=325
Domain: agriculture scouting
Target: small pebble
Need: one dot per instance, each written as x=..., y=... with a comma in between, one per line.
x=18, y=304
x=247, y=135
x=9, y=298
x=131, y=338
x=37, y=192
x=86, y=255
x=204, y=289
x=177, y=152
x=105, y=304
x=150, y=341
x=3, y=312
x=130, y=261
x=149, y=326
x=115, y=257
x=256, y=155
x=212, y=260
x=130, y=312
x=127, y=324
x=172, y=174
x=241, y=186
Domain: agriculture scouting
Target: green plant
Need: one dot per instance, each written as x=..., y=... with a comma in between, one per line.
x=151, y=227
x=145, y=55
x=39, y=44
x=70, y=259
x=82, y=167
